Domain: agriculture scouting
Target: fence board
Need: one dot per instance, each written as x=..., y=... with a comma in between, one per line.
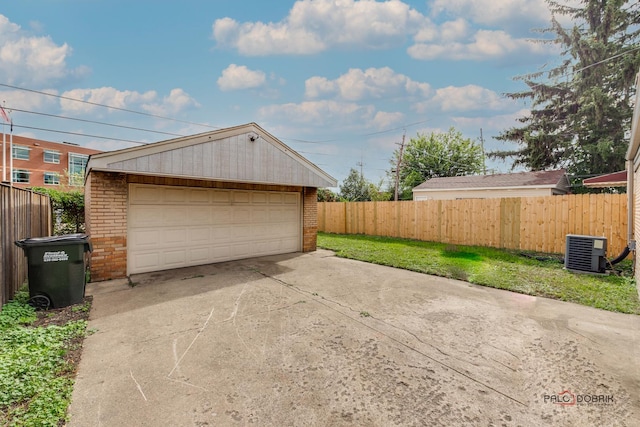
x=528, y=223
x=23, y=214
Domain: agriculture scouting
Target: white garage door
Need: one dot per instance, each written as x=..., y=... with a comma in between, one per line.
x=171, y=227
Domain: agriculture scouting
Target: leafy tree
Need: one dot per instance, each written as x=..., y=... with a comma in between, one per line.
x=579, y=117
x=68, y=207
x=354, y=188
x=435, y=155
x=326, y=195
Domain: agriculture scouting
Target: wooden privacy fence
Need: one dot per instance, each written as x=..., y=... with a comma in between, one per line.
x=528, y=223
x=22, y=214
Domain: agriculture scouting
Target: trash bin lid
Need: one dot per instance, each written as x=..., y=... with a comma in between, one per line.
x=53, y=240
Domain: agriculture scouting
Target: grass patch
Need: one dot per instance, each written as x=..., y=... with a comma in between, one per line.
x=531, y=274
x=38, y=358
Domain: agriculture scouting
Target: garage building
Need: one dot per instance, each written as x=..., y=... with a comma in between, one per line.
x=223, y=195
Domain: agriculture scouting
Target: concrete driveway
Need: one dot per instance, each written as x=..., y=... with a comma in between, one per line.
x=311, y=339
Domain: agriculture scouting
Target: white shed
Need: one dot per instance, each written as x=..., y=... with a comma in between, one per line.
x=521, y=184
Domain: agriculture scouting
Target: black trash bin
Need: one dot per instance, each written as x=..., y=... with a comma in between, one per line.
x=56, y=269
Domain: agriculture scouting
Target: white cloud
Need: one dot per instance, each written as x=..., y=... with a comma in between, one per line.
x=31, y=60
x=359, y=84
x=384, y=120
x=28, y=100
x=176, y=101
x=236, y=77
x=484, y=45
x=315, y=26
x=327, y=112
x=466, y=98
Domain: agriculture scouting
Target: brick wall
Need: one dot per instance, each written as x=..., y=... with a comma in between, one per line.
x=36, y=165
x=309, y=219
x=106, y=215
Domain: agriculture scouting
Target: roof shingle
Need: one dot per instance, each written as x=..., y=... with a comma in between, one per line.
x=519, y=179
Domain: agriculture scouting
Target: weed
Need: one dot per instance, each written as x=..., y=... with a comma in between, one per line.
x=35, y=378
x=365, y=314
x=83, y=308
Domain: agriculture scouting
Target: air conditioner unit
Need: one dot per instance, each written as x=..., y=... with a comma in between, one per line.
x=585, y=254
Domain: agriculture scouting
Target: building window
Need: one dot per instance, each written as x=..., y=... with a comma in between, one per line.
x=77, y=165
x=21, y=175
x=20, y=152
x=51, y=156
x=51, y=178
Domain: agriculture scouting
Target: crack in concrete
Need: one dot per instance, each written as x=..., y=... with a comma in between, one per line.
x=321, y=300
x=138, y=385
x=192, y=342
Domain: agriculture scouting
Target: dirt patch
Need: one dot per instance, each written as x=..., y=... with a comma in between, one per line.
x=62, y=316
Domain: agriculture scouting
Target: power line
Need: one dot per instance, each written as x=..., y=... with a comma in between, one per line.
x=80, y=134
x=96, y=122
x=108, y=106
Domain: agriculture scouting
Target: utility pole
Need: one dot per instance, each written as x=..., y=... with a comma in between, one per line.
x=484, y=165
x=395, y=197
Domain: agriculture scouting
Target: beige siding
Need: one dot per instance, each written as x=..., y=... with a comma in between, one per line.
x=481, y=194
x=237, y=155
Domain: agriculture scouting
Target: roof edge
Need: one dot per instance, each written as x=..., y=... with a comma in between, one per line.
x=634, y=143
x=520, y=187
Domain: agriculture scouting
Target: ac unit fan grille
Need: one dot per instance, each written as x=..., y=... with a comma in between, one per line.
x=581, y=252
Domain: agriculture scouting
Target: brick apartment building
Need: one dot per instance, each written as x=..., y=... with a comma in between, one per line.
x=38, y=163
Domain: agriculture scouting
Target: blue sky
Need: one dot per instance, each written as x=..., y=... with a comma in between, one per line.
x=339, y=81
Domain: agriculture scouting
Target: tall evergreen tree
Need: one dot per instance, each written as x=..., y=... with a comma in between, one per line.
x=581, y=115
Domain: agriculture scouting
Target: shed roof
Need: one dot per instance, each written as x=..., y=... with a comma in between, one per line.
x=615, y=179
x=245, y=153
x=538, y=179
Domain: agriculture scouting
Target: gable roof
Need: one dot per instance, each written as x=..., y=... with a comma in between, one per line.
x=245, y=153
x=615, y=179
x=538, y=179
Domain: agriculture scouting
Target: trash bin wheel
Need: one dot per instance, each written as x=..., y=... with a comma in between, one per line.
x=40, y=302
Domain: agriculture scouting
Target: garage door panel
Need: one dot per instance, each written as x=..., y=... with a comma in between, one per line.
x=175, y=257
x=221, y=215
x=174, y=237
x=290, y=199
x=199, y=255
x=275, y=198
x=146, y=194
x=199, y=196
x=240, y=196
x=149, y=215
x=145, y=237
x=174, y=215
x=176, y=195
x=172, y=227
x=145, y=261
x=259, y=198
x=219, y=196
x=199, y=215
x=199, y=235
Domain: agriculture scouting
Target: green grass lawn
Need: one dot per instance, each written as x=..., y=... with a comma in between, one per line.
x=36, y=364
x=496, y=268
